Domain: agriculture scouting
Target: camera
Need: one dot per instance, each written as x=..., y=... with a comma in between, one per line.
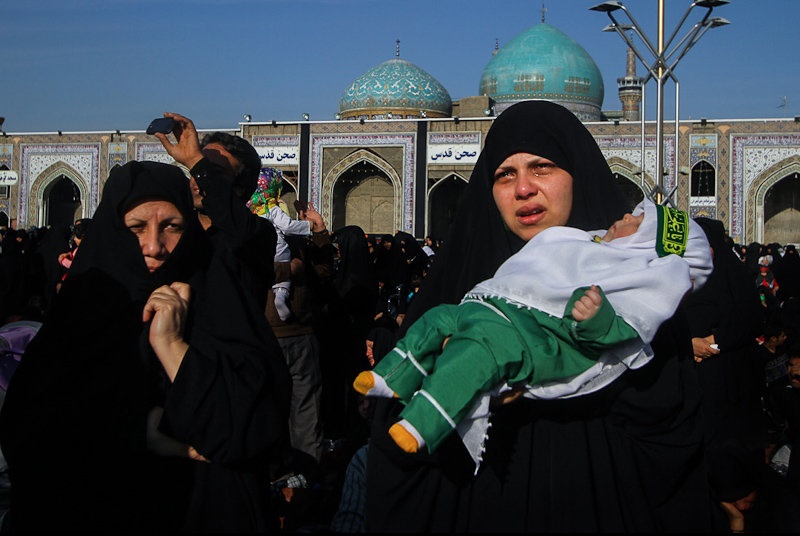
x=161, y=124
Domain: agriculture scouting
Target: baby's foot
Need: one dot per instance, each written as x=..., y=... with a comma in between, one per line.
x=370, y=384
x=406, y=436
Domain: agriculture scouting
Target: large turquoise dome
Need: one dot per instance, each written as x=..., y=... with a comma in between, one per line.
x=398, y=87
x=544, y=63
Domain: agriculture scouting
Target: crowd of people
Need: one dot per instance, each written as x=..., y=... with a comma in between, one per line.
x=194, y=360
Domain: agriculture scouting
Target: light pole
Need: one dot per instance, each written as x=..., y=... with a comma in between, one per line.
x=661, y=66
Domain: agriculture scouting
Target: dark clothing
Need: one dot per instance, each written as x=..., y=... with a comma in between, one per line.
x=733, y=381
x=626, y=458
x=73, y=425
x=342, y=327
x=788, y=273
x=250, y=239
x=783, y=401
x=308, y=288
x=298, y=340
x=16, y=282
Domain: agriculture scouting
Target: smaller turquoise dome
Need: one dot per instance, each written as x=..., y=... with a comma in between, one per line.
x=544, y=63
x=396, y=86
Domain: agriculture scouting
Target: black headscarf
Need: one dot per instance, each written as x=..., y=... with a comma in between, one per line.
x=728, y=308
x=111, y=248
x=729, y=289
x=626, y=458
x=408, y=259
x=89, y=379
x=355, y=267
x=478, y=241
x=85, y=383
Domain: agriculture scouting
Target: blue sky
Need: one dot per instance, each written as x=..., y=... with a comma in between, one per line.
x=96, y=65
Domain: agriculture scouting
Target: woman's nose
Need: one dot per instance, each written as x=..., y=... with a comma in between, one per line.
x=150, y=241
x=527, y=184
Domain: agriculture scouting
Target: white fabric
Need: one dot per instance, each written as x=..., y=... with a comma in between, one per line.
x=286, y=226
x=644, y=289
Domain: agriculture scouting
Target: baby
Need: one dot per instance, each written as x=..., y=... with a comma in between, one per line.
x=266, y=202
x=565, y=316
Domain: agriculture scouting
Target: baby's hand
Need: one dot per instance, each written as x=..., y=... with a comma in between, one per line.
x=588, y=305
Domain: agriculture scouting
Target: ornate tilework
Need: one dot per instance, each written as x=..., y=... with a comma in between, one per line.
x=154, y=152
x=396, y=83
x=630, y=150
x=6, y=154
x=752, y=155
x=406, y=141
x=37, y=159
x=117, y=154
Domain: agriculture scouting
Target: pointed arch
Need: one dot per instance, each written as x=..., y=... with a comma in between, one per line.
x=385, y=171
x=289, y=194
x=43, y=185
x=703, y=179
x=776, y=219
x=442, y=201
x=629, y=178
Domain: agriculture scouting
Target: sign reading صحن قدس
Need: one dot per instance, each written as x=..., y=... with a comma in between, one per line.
x=8, y=177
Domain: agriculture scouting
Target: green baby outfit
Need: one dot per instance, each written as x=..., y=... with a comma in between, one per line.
x=492, y=341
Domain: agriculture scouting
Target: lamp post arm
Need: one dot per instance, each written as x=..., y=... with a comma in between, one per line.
x=635, y=27
x=691, y=36
x=641, y=34
x=680, y=24
x=621, y=31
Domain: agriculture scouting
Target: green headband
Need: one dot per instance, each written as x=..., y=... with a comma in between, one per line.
x=673, y=231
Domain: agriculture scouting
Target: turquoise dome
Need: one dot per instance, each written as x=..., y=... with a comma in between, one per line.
x=397, y=86
x=544, y=63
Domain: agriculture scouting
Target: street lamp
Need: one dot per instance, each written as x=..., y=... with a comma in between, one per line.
x=661, y=66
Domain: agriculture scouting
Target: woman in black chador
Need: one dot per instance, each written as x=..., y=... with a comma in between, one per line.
x=154, y=396
x=626, y=458
x=726, y=313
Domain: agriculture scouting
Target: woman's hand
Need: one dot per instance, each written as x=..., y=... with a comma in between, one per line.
x=166, y=311
x=735, y=517
x=187, y=149
x=703, y=348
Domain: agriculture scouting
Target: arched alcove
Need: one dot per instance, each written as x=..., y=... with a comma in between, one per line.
x=630, y=189
x=364, y=191
x=289, y=196
x=363, y=195
x=629, y=179
x=444, y=199
x=61, y=203
x=39, y=210
x=782, y=211
x=704, y=180
x=772, y=204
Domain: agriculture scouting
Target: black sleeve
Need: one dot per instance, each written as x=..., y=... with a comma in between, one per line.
x=250, y=239
x=228, y=213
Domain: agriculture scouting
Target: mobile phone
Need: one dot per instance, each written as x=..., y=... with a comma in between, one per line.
x=300, y=206
x=161, y=124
